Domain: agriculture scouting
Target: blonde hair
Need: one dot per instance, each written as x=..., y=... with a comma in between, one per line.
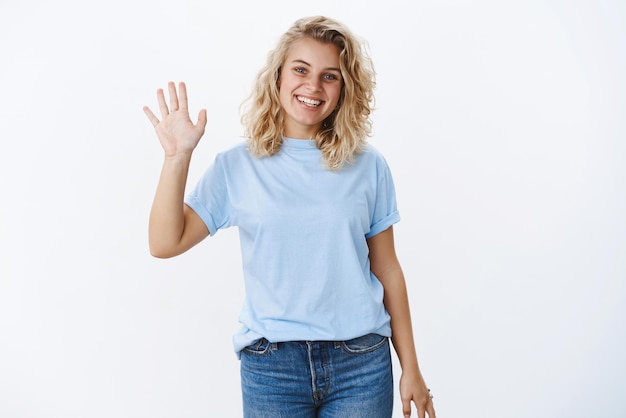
x=345, y=131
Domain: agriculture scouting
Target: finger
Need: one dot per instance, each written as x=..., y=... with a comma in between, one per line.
x=182, y=91
x=406, y=408
x=173, y=96
x=162, y=105
x=151, y=117
x=430, y=408
x=421, y=410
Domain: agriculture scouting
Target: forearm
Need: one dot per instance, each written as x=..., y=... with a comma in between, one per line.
x=397, y=304
x=167, y=221
x=385, y=266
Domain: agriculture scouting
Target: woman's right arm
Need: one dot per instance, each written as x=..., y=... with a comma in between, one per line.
x=174, y=227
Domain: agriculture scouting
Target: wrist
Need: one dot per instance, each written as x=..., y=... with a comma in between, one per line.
x=412, y=372
x=178, y=155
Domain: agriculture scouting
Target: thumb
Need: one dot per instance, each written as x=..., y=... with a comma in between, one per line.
x=201, y=123
x=202, y=118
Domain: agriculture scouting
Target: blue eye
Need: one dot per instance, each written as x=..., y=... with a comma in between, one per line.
x=330, y=77
x=299, y=70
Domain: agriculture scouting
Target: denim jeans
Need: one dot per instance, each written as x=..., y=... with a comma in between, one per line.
x=322, y=379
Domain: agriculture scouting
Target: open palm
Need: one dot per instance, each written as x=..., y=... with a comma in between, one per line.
x=176, y=132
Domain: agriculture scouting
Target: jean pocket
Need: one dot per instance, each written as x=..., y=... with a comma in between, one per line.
x=364, y=344
x=259, y=348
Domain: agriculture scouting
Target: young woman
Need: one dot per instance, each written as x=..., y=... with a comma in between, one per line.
x=315, y=207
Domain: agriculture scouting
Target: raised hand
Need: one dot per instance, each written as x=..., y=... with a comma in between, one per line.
x=176, y=132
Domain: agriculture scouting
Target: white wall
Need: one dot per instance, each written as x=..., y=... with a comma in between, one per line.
x=504, y=125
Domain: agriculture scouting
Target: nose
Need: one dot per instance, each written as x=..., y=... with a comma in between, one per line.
x=314, y=84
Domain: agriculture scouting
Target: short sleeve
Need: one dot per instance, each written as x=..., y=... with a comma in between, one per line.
x=385, y=212
x=209, y=198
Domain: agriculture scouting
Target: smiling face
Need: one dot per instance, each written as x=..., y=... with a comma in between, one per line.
x=310, y=86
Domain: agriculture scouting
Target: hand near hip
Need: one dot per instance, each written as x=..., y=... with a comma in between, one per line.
x=413, y=389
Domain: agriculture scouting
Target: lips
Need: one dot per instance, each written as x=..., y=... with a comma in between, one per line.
x=309, y=102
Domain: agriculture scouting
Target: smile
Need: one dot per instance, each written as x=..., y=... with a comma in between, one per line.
x=309, y=102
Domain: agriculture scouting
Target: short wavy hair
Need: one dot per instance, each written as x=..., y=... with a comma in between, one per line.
x=344, y=132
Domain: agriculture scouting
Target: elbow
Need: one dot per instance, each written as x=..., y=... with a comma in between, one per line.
x=161, y=246
x=159, y=251
x=159, y=254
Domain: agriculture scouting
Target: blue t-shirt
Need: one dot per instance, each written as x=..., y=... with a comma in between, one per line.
x=303, y=232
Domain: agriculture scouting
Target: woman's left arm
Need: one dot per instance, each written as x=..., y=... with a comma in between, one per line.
x=386, y=267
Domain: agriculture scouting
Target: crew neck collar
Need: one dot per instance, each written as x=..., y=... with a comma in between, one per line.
x=299, y=143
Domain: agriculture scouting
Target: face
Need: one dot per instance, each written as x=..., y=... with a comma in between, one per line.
x=310, y=86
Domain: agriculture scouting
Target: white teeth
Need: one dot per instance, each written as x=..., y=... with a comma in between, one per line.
x=309, y=101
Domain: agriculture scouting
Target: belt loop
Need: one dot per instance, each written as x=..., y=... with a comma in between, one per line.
x=273, y=346
x=337, y=344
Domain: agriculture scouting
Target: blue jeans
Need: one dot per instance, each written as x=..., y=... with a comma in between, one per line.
x=322, y=379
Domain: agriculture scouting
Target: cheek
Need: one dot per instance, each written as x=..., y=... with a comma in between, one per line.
x=283, y=97
x=336, y=94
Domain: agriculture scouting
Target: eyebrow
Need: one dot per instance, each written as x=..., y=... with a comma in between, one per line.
x=306, y=63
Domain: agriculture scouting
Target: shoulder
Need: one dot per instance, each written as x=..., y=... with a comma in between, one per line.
x=236, y=150
x=372, y=151
x=234, y=154
x=370, y=156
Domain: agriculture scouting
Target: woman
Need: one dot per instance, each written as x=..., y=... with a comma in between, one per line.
x=315, y=207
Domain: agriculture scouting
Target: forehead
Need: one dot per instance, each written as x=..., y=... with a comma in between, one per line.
x=315, y=53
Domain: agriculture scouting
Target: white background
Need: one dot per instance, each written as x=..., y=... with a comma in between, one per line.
x=503, y=123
